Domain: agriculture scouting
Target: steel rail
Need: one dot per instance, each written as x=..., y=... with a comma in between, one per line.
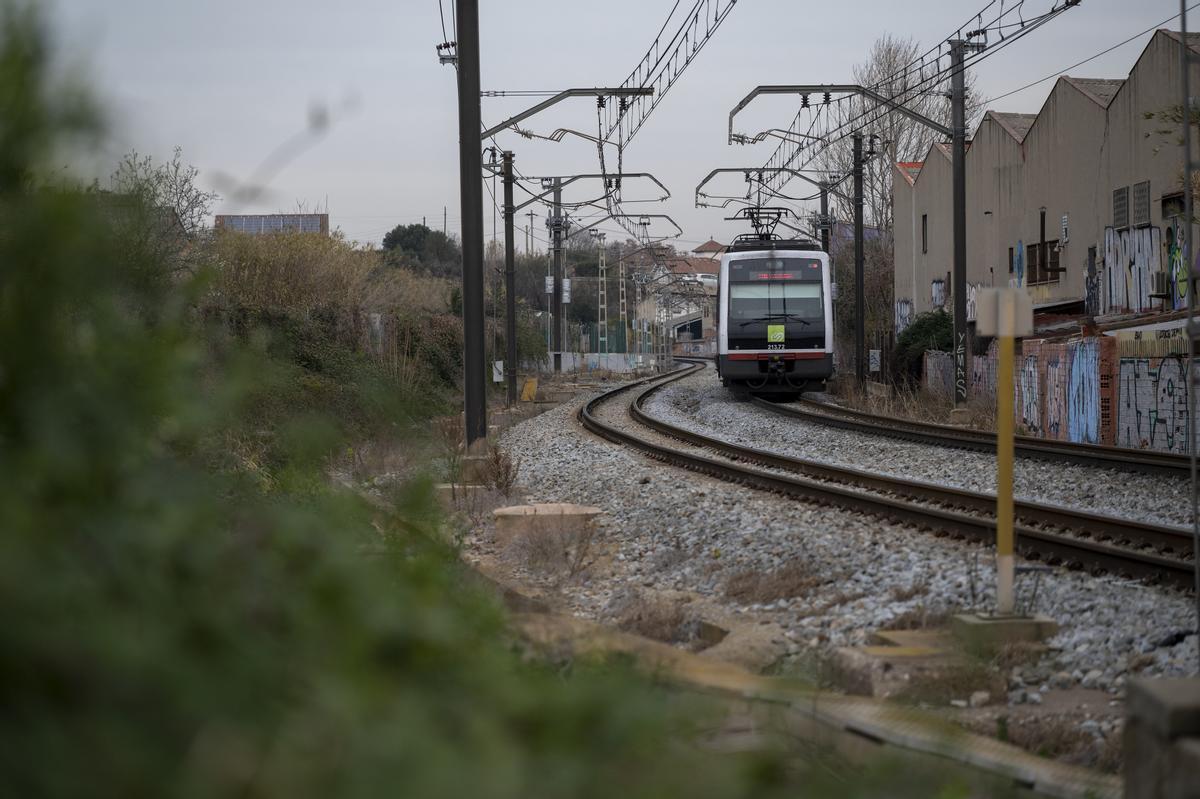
x=1121, y=458
x=1033, y=542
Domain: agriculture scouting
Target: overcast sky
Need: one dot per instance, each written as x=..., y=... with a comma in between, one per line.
x=231, y=82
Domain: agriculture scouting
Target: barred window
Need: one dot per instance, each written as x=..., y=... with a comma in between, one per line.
x=1141, y=204
x=1121, y=208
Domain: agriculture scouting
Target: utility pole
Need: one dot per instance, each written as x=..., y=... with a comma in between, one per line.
x=444, y=209
x=602, y=300
x=510, y=281
x=826, y=223
x=470, y=168
x=556, y=230
x=958, y=287
x=1186, y=59
x=860, y=370
x=621, y=295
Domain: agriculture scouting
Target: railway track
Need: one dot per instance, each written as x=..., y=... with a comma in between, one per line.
x=982, y=441
x=1052, y=534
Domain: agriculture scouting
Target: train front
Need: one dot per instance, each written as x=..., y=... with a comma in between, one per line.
x=774, y=335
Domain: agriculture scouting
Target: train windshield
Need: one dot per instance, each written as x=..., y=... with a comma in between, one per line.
x=770, y=300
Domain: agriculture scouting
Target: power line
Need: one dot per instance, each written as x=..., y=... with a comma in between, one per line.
x=1089, y=58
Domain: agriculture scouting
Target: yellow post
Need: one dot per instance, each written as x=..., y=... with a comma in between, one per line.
x=1004, y=456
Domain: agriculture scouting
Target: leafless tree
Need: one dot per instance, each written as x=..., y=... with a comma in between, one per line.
x=899, y=137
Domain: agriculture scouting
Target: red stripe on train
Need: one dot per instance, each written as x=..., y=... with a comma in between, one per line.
x=785, y=356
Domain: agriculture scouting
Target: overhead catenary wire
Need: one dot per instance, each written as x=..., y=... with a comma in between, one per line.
x=787, y=153
x=1106, y=51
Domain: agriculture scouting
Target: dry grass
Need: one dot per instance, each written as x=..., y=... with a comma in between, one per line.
x=560, y=548
x=654, y=617
x=957, y=681
x=501, y=471
x=920, y=618
x=449, y=435
x=1061, y=739
x=751, y=586
x=903, y=594
x=296, y=272
x=919, y=405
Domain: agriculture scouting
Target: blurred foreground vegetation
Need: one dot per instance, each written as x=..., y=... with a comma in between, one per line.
x=189, y=606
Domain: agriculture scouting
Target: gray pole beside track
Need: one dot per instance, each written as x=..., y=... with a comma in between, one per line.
x=1185, y=62
x=959, y=285
x=470, y=169
x=826, y=224
x=510, y=282
x=556, y=234
x=860, y=371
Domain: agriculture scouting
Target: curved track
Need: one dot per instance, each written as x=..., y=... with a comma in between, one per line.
x=1137, y=460
x=1057, y=535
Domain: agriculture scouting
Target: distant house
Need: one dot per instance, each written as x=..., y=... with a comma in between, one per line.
x=710, y=249
x=259, y=224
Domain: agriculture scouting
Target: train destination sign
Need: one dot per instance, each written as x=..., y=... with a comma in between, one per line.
x=755, y=269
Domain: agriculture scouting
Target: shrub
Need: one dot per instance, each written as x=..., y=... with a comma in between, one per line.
x=932, y=330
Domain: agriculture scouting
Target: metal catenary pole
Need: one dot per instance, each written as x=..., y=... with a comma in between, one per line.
x=470, y=167
x=826, y=225
x=958, y=287
x=510, y=283
x=1185, y=60
x=859, y=299
x=556, y=230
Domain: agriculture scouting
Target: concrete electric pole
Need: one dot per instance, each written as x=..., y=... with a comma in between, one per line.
x=470, y=168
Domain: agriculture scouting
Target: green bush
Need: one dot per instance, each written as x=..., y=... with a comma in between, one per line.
x=932, y=330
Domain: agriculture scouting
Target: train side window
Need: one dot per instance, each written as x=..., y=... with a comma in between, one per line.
x=924, y=233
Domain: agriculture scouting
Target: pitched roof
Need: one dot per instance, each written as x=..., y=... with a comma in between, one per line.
x=1100, y=90
x=710, y=246
x=689, y=266
x=910, y=169
x=1016, y=125
x=1192, y=38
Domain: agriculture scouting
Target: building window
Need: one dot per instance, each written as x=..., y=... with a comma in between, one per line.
x=1172, y=205
x=1121, y=208
x=1032, y=268
x=924, y=233
x=1010, y=260
x=1141, y=204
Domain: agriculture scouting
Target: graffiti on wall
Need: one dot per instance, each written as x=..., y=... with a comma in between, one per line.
x=1130, y=258
x=972, y=288
x=983, y=372
x=1153, y=406
x=1091, y=285
x=937, y=293
x=1173, y=257
x=1031, y=412
x=904, y=315
x=1083, y=393
x=1056, y=395
x=1018, y=279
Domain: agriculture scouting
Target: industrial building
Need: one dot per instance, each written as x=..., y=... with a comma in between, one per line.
x=1080, y=203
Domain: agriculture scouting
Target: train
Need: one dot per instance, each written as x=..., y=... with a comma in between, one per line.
x=774, y=316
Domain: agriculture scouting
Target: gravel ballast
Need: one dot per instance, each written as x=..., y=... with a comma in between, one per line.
x=670, y=529
x=700, y=403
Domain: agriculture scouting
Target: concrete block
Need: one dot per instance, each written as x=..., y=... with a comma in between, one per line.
x=960, y=416
x=1169, y=707
x=452, y=496
x=475, y=468
x=523, y=520
x=875, y=389
x=979, y=633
